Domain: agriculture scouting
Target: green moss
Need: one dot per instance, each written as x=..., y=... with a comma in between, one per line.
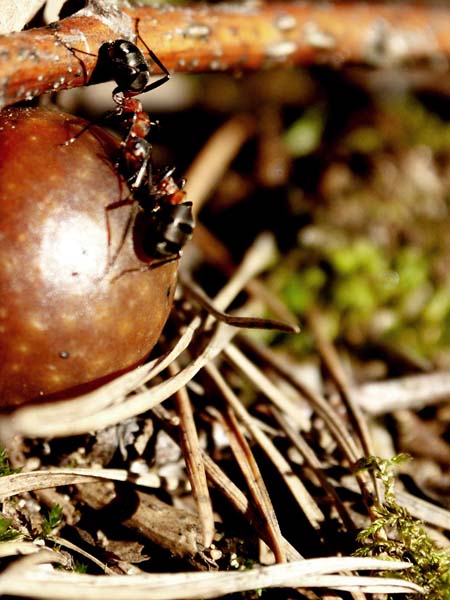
x=394, y=533
x=300, y=290
x=375, y=252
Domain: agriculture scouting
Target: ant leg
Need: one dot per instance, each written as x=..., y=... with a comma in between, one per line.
x=149, y=267
x=134, y=161
x=129, y=200
x=54, y=28
x=157, y=61
x=156, y=84
x=106, y=115
x=145, y=170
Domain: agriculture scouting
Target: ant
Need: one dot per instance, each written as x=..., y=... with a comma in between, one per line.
x=125, y=64
x=169, y=220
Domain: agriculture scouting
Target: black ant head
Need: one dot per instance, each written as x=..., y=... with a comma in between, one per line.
x=126, y=65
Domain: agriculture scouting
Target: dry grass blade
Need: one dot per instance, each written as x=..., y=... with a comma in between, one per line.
x=18, y=483
x=27, y=563
x=418, y=507
x=424, y=510
x=412, y=392
x=184, y=586
x=265, y=385
x=255, y=482
x=319, y=404
x=333, y=364
x=256, y=259
x=213, y=160
x=62, y=543
x=215, y=252
x=294, y=484
x=195, y=292
x=331, y=361
x=193, y=457
x=18, y=548
x=333, y=421
x=313, y=462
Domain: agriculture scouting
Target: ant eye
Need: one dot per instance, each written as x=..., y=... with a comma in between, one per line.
x=141, y=80
x=124, y=46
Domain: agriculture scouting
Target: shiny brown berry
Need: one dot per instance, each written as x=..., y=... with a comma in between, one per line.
x=78, y=301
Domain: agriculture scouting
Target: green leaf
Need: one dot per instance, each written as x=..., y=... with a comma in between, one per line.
x=5, y=467
x=7, y=532
x=304, y=136
x=51, y=521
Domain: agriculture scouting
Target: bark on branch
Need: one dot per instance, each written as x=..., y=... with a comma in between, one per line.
x=226, y=37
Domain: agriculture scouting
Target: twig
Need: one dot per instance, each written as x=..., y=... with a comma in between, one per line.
x=18, y=483
x=317, y=402
x=255, y=482
x=333, y=365
x=192, y=455
x=226, y=37
x=173, y=529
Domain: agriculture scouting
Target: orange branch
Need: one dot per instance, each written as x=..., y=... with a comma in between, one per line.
x=226, y=37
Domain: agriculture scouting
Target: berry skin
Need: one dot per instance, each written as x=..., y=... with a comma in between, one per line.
x=78, y=303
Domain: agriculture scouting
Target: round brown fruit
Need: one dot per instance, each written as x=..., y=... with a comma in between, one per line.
x=78, y=303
